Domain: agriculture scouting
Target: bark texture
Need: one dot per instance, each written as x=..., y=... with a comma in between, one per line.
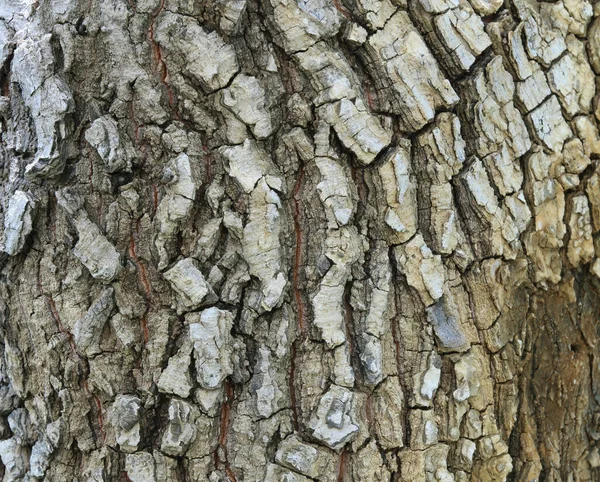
x=293, y=240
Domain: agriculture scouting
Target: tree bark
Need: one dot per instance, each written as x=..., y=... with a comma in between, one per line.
x=292, y=240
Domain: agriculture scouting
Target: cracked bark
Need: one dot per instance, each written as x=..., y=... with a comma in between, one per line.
x=266, y=240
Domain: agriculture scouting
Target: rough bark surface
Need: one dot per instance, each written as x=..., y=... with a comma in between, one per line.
x=293, y=240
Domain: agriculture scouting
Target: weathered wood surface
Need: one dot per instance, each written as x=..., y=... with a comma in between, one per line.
x=293, y=240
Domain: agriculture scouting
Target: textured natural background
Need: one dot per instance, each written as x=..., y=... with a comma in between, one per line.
x=294, y=240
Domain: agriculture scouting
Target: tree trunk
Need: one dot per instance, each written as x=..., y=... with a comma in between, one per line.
x=292, y=240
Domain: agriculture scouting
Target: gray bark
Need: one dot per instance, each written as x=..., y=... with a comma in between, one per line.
x=293, y=240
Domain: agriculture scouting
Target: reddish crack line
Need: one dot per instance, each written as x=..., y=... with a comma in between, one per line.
x=207, y=163
x=297, y=294
x=341, y=9
x=145, y=283
x=98, y=408
x=342, y=467
x=164, y=73
x=394, y=322
x=348, y=321
x=298, y=251
x=61, y=328
x=223, y=429
x=82, y=360
x=369, y=99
